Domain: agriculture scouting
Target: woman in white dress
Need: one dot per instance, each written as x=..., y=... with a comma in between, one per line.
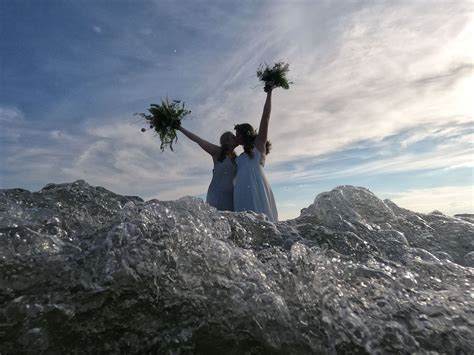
x=220, y=193
x=252, y=192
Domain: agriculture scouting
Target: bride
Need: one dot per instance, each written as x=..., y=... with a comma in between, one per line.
x=252, y=192
x=220, y=193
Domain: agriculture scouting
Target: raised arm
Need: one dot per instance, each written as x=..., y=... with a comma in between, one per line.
x=261, y=139
x=210, y=148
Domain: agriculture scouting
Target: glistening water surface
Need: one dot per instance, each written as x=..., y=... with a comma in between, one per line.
x=84, y=270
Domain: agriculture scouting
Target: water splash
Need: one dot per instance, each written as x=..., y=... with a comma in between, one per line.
x=86, y=270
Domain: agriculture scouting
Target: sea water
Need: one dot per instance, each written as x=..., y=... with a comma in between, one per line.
x=84, y=270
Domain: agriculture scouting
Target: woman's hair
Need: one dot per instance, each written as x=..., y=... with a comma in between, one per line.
x=249, y=134
x=225, y=149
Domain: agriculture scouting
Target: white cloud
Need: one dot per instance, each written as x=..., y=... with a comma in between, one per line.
x=449, y=145
x=117, y=155
x=11, y=115
x=362, y=72
x=453, y=199
x=366, y=74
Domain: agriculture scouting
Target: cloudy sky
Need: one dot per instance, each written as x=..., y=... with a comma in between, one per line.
x=382, y=95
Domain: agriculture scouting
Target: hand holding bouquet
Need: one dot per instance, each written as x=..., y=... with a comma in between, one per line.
x=165, y=119
x=274, y=77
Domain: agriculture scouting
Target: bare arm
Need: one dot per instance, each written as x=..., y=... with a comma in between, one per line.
x=261, y=139
x=210, y=148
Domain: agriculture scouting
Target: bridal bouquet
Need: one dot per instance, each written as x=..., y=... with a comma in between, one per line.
x=165, y=119
x=275, y=76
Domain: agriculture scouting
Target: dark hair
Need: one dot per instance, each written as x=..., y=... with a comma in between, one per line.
x=249, y=134
x=225, y=149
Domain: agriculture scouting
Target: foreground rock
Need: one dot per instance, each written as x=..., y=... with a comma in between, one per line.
x=85, y=270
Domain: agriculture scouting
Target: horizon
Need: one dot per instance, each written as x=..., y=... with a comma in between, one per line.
x=381, y=96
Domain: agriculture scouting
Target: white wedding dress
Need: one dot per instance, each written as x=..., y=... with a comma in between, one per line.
x=252, y=192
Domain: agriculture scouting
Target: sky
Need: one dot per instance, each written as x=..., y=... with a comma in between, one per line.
x=382, y=95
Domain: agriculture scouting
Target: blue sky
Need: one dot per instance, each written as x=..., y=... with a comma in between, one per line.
x=382, y=95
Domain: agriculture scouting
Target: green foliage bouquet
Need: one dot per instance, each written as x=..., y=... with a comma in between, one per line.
x=165, y=119
x=275, y=76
